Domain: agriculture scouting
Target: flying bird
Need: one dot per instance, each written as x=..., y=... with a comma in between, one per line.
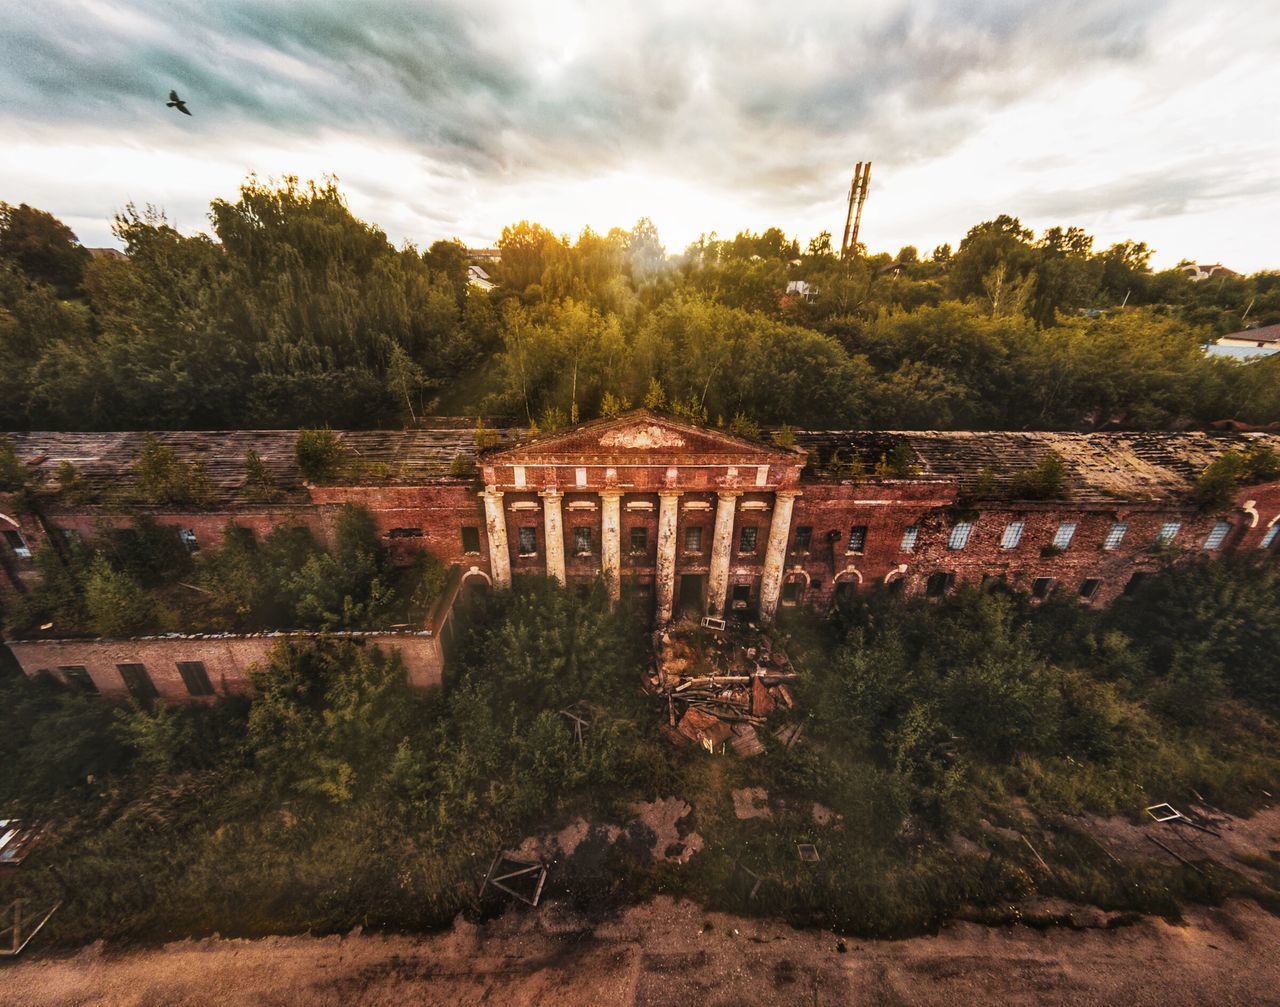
x=176, y=102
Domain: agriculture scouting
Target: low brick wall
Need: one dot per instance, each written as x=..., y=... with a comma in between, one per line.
x=226, y=659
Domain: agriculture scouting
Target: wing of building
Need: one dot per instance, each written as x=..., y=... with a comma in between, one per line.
x=687, y=519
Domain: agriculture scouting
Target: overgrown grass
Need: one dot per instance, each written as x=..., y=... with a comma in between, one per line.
x=939, y=735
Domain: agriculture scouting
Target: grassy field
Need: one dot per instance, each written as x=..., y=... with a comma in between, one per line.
x=939, y=735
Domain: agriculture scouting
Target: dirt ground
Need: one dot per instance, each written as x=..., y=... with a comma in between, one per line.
x=662, y=953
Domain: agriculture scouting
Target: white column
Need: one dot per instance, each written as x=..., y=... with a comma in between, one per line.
x=775, y=553
x=496, y=526
x=611, y=541
x=553, y=529
x=721, y=548
x=667, y=512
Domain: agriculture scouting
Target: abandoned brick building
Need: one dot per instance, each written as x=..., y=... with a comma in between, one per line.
x=690, y=519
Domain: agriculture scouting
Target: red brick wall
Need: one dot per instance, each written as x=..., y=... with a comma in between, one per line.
x=227, y=660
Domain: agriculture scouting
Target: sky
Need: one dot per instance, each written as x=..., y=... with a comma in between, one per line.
x=1152, y=120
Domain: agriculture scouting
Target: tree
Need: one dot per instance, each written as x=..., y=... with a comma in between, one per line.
x=328, y=717
x=117, y=604
x=42, y=247
x=350, y=587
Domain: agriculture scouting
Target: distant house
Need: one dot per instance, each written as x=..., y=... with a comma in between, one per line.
x=484, y=254
x=799, y=288
x=1199, y=271
x=477, y=277
x=1248, y=344
x=106, y=253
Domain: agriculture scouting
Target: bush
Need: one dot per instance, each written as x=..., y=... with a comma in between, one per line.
x=259, y=487
x=118, y=605
x=319, y=454
x=160, y=477
x=1044, y=481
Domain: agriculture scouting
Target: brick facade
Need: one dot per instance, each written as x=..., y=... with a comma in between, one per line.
x=756, y=526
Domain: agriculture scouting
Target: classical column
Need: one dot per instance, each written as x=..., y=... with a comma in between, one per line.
x=495, y=522
x=668, y=504
x=553, y=528
x=721, y=547
x=775, y=553
x=611, y=541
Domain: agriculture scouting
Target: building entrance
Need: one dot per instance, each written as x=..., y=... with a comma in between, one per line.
x=691, y=604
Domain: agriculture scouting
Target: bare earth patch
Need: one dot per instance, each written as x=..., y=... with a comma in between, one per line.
x=661, y=954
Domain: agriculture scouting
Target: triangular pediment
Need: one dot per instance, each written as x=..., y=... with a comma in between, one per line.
x=642, y=436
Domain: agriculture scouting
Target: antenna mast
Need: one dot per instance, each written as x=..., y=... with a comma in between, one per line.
x=861, y=198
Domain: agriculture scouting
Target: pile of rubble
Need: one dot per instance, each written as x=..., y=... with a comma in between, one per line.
x=720, y=685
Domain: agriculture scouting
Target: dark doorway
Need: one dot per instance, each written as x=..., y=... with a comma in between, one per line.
x=691, y=595
x=846, y=591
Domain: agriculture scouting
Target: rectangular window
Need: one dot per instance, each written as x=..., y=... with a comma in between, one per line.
x=471, y=539
x=195, y=678
x=741, y=595
x=747, y=542
x=1012, y=534
x=528, y=544
x=1089, y=588
x=189, y=539
x=804, y=538
x=137, y=681
x=17, y=543
x=405, y=533
x=693, y=539
x=993, y=582
x=640, y=539
x=1063, y=536
x=1042, y=587
x=909, y=536
x=1268, y=540
x=1115, y=535
x=791, y=592
x=959, y=537
x=77, y=676
x=857, y=538
x=582, y=540
x=1135, y=582
x=1218, y=535
x=939, y=584
x=1168, y=532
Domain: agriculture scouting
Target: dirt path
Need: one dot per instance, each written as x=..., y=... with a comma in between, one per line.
x=659, y=954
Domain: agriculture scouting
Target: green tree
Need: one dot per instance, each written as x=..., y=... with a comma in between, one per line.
x=117, y=604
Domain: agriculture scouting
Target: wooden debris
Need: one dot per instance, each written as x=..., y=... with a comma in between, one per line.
x=746, y=742
x=704, y=728
x=761, y=702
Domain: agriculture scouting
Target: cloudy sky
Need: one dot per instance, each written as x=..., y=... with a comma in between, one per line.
x=1150, y=119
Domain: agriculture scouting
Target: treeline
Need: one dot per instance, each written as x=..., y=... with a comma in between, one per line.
x=295, y=313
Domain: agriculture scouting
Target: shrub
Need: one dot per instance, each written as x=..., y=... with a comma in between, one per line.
x=160, y=477
x=319, y=454
x=14, y=476
x=1218, y=484
x=118, y=605
x=1044, y=481
x=485, y=437
x=784, y=437
x=462, y=467
x=900, y=463
x=259, y=487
